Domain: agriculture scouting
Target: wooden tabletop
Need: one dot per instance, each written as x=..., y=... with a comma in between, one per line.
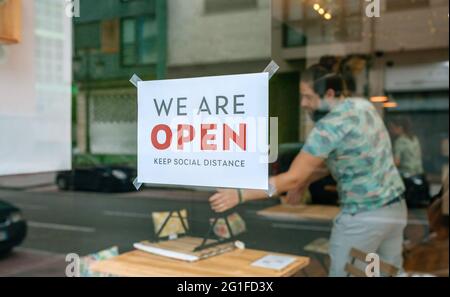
x=233, y=264
x=301, y=212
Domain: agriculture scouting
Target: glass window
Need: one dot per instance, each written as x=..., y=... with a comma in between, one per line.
x=129, y=42
x=139, y=40
x=148, y=51
x=294, y=37
x=361, y=99
x=318, y=22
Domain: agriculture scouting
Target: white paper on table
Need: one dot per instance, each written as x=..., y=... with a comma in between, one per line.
x=274, y=262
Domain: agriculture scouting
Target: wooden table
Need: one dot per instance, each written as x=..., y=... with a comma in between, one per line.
x=233, y=264
x=301, y=212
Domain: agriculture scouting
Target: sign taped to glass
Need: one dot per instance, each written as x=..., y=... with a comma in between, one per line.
x=192, y=129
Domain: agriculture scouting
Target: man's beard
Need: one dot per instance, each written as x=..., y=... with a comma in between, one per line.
x=321, y=112
x=318, y=115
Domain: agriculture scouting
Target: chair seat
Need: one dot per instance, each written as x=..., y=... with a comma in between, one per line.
x=319, y=246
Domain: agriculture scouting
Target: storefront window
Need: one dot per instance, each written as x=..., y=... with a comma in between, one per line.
x=137, y=131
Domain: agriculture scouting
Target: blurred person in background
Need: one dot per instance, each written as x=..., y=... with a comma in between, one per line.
x=351, y=141
x=408, y=159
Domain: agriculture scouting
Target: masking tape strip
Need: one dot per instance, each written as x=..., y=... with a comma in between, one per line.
x=272, y=68
x=134, y=80
x=137, y=184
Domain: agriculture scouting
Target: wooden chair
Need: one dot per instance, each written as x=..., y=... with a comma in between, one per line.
x=429, y=257
x=386, y=269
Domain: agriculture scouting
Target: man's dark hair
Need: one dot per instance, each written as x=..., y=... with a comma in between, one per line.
x=333, y=81
x=322, y=80
x=329, y=63
x=314, y=73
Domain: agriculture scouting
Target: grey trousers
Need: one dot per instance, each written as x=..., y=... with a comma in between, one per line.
x=379, y=231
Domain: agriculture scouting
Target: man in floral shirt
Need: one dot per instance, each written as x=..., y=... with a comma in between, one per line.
x=351, y=142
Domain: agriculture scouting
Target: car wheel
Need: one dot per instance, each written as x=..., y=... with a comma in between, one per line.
x=105, y=186
x=62, y=183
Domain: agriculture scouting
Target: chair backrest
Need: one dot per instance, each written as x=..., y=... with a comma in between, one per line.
x=352, y=270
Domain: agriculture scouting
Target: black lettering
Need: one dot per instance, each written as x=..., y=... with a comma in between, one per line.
x=236, y=104
x=163, y=106
x=179, y=106
x=221, y=106
x=206, y=108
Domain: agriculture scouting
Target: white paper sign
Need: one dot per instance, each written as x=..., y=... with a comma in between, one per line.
x=209, y=131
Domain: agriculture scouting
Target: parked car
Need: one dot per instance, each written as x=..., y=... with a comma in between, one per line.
x=13, y=228
x=90, y=175
x=322, y=191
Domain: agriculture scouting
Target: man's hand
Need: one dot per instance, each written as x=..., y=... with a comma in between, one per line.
x=224, y=200
x=295, y=196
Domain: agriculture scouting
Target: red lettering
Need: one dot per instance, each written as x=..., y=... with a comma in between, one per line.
x=208, y=132
x=182, y=139
x=166, y=144
x=240, y=140
x=205, y=146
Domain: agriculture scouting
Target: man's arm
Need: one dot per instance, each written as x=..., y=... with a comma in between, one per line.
x=319, y=174
x=294, y=196
x=305, y=169
x=322, y=140
x=301, y=172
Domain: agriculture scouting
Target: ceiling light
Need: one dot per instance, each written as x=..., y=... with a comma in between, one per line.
x=390, y=104
x=379, y=99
